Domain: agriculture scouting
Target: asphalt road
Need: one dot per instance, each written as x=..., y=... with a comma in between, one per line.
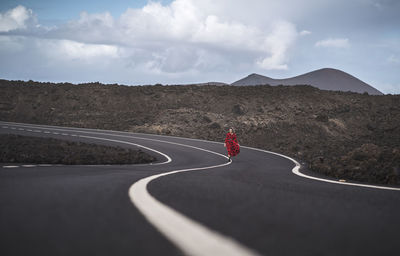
x=256, y=200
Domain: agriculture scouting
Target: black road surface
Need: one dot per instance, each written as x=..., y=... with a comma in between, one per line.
x=257, y=200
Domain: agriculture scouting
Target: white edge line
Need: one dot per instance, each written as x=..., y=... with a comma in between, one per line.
x=193, y=238
x=133, y=144
x=295, y=170
x=132, y=137
x=168, y=159
x=188, y=235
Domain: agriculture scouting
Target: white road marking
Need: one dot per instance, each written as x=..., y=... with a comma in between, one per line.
x=97, y=165
x=74, y=135
x=131, y=137
x=28, y=165
x=13, y=128
x=46, y=132
x=295, y=170
x=64, y=134
x=45, y=165
x=20, y=129
x=37, y=131
x=188, y=235
x=133, y=144
x=160, y=215
x=29, y=130
x=10, y=166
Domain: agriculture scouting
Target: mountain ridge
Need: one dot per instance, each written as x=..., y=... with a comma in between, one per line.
x=324, y=79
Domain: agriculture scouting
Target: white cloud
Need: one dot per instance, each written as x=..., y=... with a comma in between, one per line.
x=277, y=43
x=76, y=50
x=98, y=19
x=165, y=33
x=305, y=33
x=184, y=22
x=16, y=18
x=192, y=40
x=334, y=42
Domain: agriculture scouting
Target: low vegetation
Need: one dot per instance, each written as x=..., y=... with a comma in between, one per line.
x=341, y=134
x=26, y=149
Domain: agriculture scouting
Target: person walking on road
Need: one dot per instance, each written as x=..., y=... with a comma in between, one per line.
x=231, y=144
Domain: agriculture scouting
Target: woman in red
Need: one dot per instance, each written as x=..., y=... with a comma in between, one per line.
x=231, y=144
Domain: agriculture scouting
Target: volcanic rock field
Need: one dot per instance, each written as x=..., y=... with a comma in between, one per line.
x=343, y=135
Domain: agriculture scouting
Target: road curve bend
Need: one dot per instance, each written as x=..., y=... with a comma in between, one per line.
x=253, y=206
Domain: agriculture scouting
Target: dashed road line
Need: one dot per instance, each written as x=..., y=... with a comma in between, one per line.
x=30, y=166
x=295, y=170
x=191, y=237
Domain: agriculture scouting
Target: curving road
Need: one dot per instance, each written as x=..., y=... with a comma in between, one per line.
x=191, y=202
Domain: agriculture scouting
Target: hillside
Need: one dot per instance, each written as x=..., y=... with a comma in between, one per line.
x=324, y=79
x=35, y=150
x=344, y=135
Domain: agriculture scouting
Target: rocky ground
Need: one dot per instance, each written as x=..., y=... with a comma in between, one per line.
x=344, y=135
x=25, y=149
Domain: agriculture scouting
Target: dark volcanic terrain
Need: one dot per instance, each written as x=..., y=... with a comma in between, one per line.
x=341, y=134
x=34, y=150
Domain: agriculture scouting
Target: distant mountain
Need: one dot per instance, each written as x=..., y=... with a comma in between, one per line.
x=210, y=83
x=324, y=79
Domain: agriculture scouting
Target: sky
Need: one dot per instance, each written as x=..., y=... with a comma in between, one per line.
x=194, y=41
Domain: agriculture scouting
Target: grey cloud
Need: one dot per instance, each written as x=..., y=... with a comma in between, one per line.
x=209, y=40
